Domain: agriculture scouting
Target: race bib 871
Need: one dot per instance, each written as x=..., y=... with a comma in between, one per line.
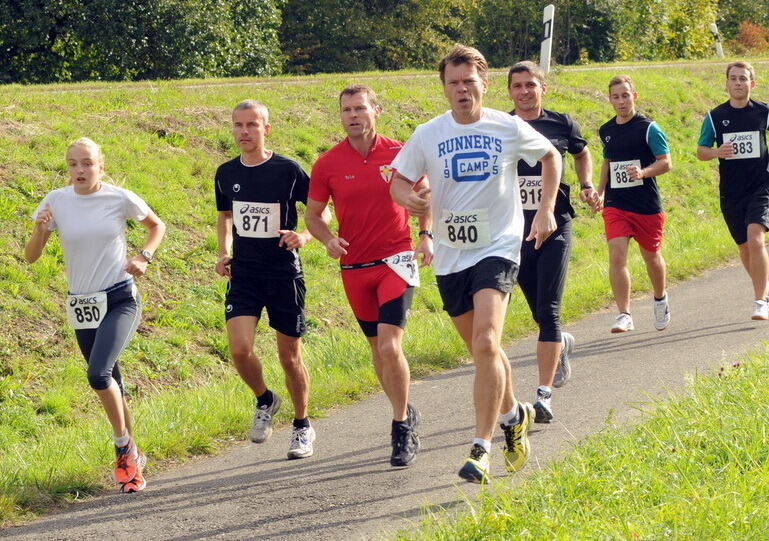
x=256, y=220
x=619, y=176
x=746, y=144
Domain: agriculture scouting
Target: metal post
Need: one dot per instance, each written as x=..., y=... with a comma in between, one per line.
x=547, y=37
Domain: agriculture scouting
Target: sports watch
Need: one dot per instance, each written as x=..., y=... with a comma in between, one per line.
x=146, y=254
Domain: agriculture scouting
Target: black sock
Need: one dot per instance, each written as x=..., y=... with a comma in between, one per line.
x=302, y=423
x=660, y=299
x=265, y=399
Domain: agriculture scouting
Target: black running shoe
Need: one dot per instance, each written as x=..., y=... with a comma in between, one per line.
x=405, y=439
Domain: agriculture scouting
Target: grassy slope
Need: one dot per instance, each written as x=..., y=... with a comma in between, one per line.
x=164, y=141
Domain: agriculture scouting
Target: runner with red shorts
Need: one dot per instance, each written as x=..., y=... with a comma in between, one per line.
x=635, y=152
x=373, y=244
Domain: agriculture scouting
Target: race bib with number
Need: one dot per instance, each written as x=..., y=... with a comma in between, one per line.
x=619, y=176
x=86, y=311
x=256, y=220
x=404, y=264
x=531, y=192
x=746, y=144
x=465, y=230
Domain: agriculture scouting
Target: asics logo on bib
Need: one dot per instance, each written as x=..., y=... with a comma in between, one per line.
x=254, y=210
x=736, y=138
x=83, y=301
x=401, y=258
x=451, y=219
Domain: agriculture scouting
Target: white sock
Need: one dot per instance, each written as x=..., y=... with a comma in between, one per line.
x=486, y=444
x=122, y=441
x=510, y=416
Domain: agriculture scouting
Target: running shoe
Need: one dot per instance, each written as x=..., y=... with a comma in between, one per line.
x=405, y=439
x=476, y=466
x=128, y=461
x=760, y=310
x=300, y=442
x=138, y=482
x=623, y=323
x=563, y=372
x=661, y=314
x=543, y=413
x=517, y=447
x=262, y=425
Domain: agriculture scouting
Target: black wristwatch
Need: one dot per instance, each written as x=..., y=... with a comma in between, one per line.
x=146, y=254
x=426, y=232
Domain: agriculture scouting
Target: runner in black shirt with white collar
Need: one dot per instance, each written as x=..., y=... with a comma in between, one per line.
x=256, y=196
x=738, y=128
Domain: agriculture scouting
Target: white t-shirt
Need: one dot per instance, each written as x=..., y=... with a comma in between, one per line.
x=474, y=185
x=92, y=233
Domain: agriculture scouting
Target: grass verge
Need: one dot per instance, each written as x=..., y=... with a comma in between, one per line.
x=696, y=468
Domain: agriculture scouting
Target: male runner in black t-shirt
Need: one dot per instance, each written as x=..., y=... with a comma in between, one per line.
x=256, y=196
x=542, y=274
x=738, y=128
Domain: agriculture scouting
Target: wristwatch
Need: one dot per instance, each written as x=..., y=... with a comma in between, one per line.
x=426, y=232
x=146, y=254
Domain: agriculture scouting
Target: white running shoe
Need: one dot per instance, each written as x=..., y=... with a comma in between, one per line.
x=300, y=442
x=262, y=425
x=661, y=314
x=563, y=371
x=760, y=310
x=623, y=323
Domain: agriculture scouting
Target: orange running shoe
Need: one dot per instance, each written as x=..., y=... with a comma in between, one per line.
x=128, y=462
x=134, y=485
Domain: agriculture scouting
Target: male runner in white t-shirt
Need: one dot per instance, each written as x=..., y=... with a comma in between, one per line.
x=470, y=155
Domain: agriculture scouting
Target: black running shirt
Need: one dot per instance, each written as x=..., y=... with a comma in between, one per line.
x=263, y=200
x=561, y=130
x=636, y=142
x=745, y=128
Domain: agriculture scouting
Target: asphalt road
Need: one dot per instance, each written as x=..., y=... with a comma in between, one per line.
x=348, y=490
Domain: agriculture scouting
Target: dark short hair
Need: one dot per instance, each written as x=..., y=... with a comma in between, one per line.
x=529, y=67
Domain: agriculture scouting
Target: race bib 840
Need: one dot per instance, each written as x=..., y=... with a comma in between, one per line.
x=465, y=229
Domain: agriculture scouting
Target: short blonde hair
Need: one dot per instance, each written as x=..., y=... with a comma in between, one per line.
x=619, y=79
x=744, y=65
x=89, y=143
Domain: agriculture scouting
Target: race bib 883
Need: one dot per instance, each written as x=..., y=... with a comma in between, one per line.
x=746, y=144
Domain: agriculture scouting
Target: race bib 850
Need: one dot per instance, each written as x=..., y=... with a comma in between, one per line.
x=86, y=311
x=256, y=220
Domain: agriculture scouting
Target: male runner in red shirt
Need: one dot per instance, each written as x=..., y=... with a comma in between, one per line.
x=374, y=247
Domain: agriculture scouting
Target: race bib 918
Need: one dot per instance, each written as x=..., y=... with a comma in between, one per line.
x=746, y=144
x=256, y=220
x=86, y=311
x=531, y=192
x=465, y=230
x=619, y=176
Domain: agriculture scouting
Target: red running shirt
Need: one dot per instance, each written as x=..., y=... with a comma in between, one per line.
x=373, y=224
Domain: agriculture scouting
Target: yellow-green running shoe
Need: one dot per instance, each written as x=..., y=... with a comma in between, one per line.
x=476, y=466
x=517, y=447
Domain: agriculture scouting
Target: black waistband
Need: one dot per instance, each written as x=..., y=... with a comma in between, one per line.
x=363, y=265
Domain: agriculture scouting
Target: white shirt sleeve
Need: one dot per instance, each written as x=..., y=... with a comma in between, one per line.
x=532, y=144
x=134, y=206
x=410, y=161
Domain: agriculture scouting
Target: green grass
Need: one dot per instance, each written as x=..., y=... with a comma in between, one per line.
x=164, y=140
x=696, y=468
